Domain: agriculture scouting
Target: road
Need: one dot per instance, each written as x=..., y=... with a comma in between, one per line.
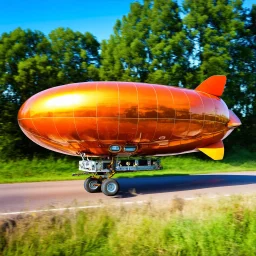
x=54, y=195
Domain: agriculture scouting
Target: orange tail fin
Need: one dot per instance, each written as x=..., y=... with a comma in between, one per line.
x=213, y=85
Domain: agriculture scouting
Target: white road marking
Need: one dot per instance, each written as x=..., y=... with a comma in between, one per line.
x=67, y=208
x=52, y=210
x=98, y=206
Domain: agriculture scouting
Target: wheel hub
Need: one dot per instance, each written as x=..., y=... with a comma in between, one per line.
x=111, y=187
x=93, y=184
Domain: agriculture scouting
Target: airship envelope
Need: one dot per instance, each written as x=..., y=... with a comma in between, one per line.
x=127, y=118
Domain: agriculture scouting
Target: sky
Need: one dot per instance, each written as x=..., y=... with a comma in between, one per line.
x=95, y=16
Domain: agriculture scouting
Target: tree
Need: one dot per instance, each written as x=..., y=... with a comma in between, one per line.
x=243, y=73
x=212, y=27
x=220, y=33
x=16, y=47
x=31, y=62
x=75, y=55
x=19, y=50
x=148, y=45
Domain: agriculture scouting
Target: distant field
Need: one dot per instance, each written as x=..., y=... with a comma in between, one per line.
x=50, y=169
x=199, y=227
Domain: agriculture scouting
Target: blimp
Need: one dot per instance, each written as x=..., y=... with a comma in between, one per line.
x=106, y=121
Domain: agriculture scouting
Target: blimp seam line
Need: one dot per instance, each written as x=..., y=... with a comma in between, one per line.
x=34, y=134
x=190, y=112
x=32, y=123
x=57, y=129
x=97, y=125
x=42, y=144
x=74, y=113
x=156, y=111
x=138, y=119
x=214, y=114
x=118, y=111
x=67, y=143
x=160, y=118
x=210, y=97
x=35, y=126
x=175, y=111
x=204, y=109
x=46, y=138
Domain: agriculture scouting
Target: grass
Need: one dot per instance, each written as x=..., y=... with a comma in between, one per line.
x=201, y=227
x=50, y=169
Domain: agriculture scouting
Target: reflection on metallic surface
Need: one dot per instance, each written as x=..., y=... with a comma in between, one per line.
x=158, y=120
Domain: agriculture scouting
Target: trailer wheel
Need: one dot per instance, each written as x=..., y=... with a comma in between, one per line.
x=92, y=185
x=110, y=187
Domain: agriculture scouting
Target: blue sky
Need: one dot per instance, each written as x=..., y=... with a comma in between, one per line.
x=95, y=16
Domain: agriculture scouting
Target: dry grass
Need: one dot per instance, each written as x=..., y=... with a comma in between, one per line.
x=225, y=226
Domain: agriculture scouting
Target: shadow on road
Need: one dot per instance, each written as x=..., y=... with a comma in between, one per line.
x=130, y=187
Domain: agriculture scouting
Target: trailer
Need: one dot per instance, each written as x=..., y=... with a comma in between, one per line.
x=121, y=165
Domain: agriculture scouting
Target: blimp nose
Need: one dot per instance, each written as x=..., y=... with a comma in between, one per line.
x=234, y=121
x=47, y=118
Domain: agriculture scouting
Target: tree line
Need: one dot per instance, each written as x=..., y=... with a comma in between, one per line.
x=158, y=41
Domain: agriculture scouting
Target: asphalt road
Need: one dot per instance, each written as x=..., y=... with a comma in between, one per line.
x=54, y=195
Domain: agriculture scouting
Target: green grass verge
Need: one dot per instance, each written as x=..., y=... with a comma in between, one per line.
x=50, y=169
x=200, y=227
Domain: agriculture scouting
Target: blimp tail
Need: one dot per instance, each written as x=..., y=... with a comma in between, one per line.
x=213, y=85
x=214, y=151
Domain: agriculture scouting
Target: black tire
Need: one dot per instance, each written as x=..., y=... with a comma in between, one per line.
x=88, y=185
x=110, y=187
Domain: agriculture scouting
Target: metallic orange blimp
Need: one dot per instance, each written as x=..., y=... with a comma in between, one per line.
x=126, y=118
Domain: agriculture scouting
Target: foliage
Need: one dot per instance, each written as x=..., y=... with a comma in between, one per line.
x=75, y=56
x=148, y=45
x=178, y=227
x=31, y=62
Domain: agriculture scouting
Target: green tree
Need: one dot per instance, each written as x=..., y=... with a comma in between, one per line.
x=75, y=55
x=243, y=77
x=222, y=39
x=212, y=28
x=15, y=48
x=148, y=45
x=21, y=52
x=31, y=62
